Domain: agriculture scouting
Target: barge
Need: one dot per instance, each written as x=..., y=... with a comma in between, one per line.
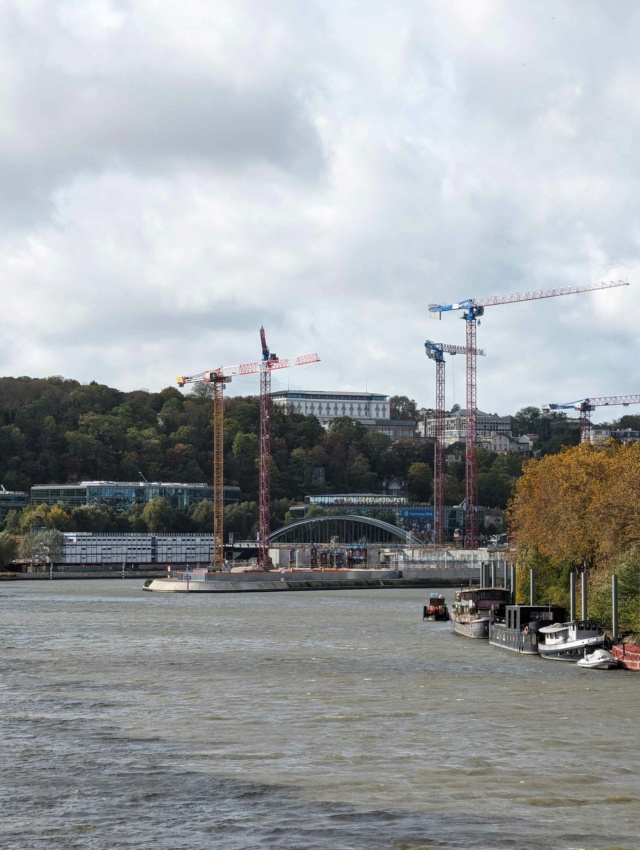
x=205, y=581
x=516, y=627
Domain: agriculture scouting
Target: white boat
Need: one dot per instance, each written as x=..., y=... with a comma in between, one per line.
x=570, y=641
x=600, y=659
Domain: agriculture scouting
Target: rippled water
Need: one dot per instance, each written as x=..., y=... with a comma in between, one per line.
x=288, y=721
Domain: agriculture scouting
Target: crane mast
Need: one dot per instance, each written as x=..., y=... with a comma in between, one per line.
x=219, y=378
x=472, y=309
x=264, y=484
x=436, y=351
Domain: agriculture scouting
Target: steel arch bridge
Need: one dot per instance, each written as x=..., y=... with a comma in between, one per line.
x=347, y=528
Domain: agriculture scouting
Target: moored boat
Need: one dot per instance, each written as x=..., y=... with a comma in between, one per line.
x=570, y=641
x=516, y=627
x=599, y=659
x=627, y=655
x=436, y=608
x=474, y=608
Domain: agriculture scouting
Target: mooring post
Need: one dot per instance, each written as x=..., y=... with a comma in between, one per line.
x=572, y=596
x=584, y=594
x=614, y=607
x=512, y=581
x=532, y=588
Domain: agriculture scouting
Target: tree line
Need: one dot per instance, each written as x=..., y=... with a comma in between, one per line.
x=56, y=430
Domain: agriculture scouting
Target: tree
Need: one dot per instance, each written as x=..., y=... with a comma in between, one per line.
x=242, y=519
x=8, y=549
x=494, y=489
x=403, y=407
x=46, y=545
x=95, y=518
x=159, y=516
x=201, y=516
x=528, y=419
x=420, y=482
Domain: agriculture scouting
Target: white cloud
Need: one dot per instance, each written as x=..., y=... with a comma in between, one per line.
x=176, y=175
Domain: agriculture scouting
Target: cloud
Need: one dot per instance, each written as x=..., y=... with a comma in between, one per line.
x=176, y=175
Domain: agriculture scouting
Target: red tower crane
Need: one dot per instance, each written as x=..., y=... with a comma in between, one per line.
x=585, y=406
x=472, y=309
x=436, y=351
x=219, y=378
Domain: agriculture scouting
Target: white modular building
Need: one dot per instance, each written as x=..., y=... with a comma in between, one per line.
x=89, y=548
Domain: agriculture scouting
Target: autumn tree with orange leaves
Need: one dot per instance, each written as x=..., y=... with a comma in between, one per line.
x=580, y=510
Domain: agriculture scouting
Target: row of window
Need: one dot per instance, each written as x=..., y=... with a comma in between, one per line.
x=332, y=396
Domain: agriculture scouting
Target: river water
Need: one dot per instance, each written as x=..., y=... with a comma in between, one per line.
x=325, y=720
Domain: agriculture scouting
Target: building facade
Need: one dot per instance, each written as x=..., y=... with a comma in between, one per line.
x=122, y=495
x=600, y=434
x=455, y=426
x=326, y=406
x=12, y=500
x=134, y=549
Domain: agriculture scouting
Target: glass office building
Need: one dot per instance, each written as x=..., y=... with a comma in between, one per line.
x=12, y=500
x=122, y=495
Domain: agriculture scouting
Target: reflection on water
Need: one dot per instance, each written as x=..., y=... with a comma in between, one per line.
x=333, y=719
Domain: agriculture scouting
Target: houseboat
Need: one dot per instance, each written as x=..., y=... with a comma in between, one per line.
x=474, y=608
x=516, y=627
x=570, y=641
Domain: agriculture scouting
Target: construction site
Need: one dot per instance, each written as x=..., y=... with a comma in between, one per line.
x=321, y=552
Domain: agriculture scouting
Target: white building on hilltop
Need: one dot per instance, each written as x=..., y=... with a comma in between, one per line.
x=326, y=406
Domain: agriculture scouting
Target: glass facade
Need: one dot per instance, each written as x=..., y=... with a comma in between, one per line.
x=122, y=495
x=12, y=500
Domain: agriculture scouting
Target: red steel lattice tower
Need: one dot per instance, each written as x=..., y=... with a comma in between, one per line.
x=219, y=377
x=264, y=490
x=472, y=309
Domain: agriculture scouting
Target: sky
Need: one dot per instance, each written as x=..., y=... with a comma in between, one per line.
x=175, y=175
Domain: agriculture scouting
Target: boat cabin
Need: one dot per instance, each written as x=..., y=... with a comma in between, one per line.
x=519, y=617
x=481, y=600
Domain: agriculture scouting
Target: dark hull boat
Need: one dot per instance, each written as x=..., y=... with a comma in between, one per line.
x=517, y=627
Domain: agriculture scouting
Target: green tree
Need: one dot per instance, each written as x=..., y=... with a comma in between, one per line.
x=201, y=516
x=96, y=518
x=403, y=407
x=241, y=519
x=494, y=489
x=420, y=482
x=528, y=419
x=159, y=516
x=8, y=549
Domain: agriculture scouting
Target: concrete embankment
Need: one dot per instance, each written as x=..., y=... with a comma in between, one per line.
x=58, y=575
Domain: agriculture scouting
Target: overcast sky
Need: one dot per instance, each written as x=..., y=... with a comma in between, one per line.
x=174, y=175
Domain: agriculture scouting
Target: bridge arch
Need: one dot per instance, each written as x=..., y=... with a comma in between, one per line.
x=347, y=528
